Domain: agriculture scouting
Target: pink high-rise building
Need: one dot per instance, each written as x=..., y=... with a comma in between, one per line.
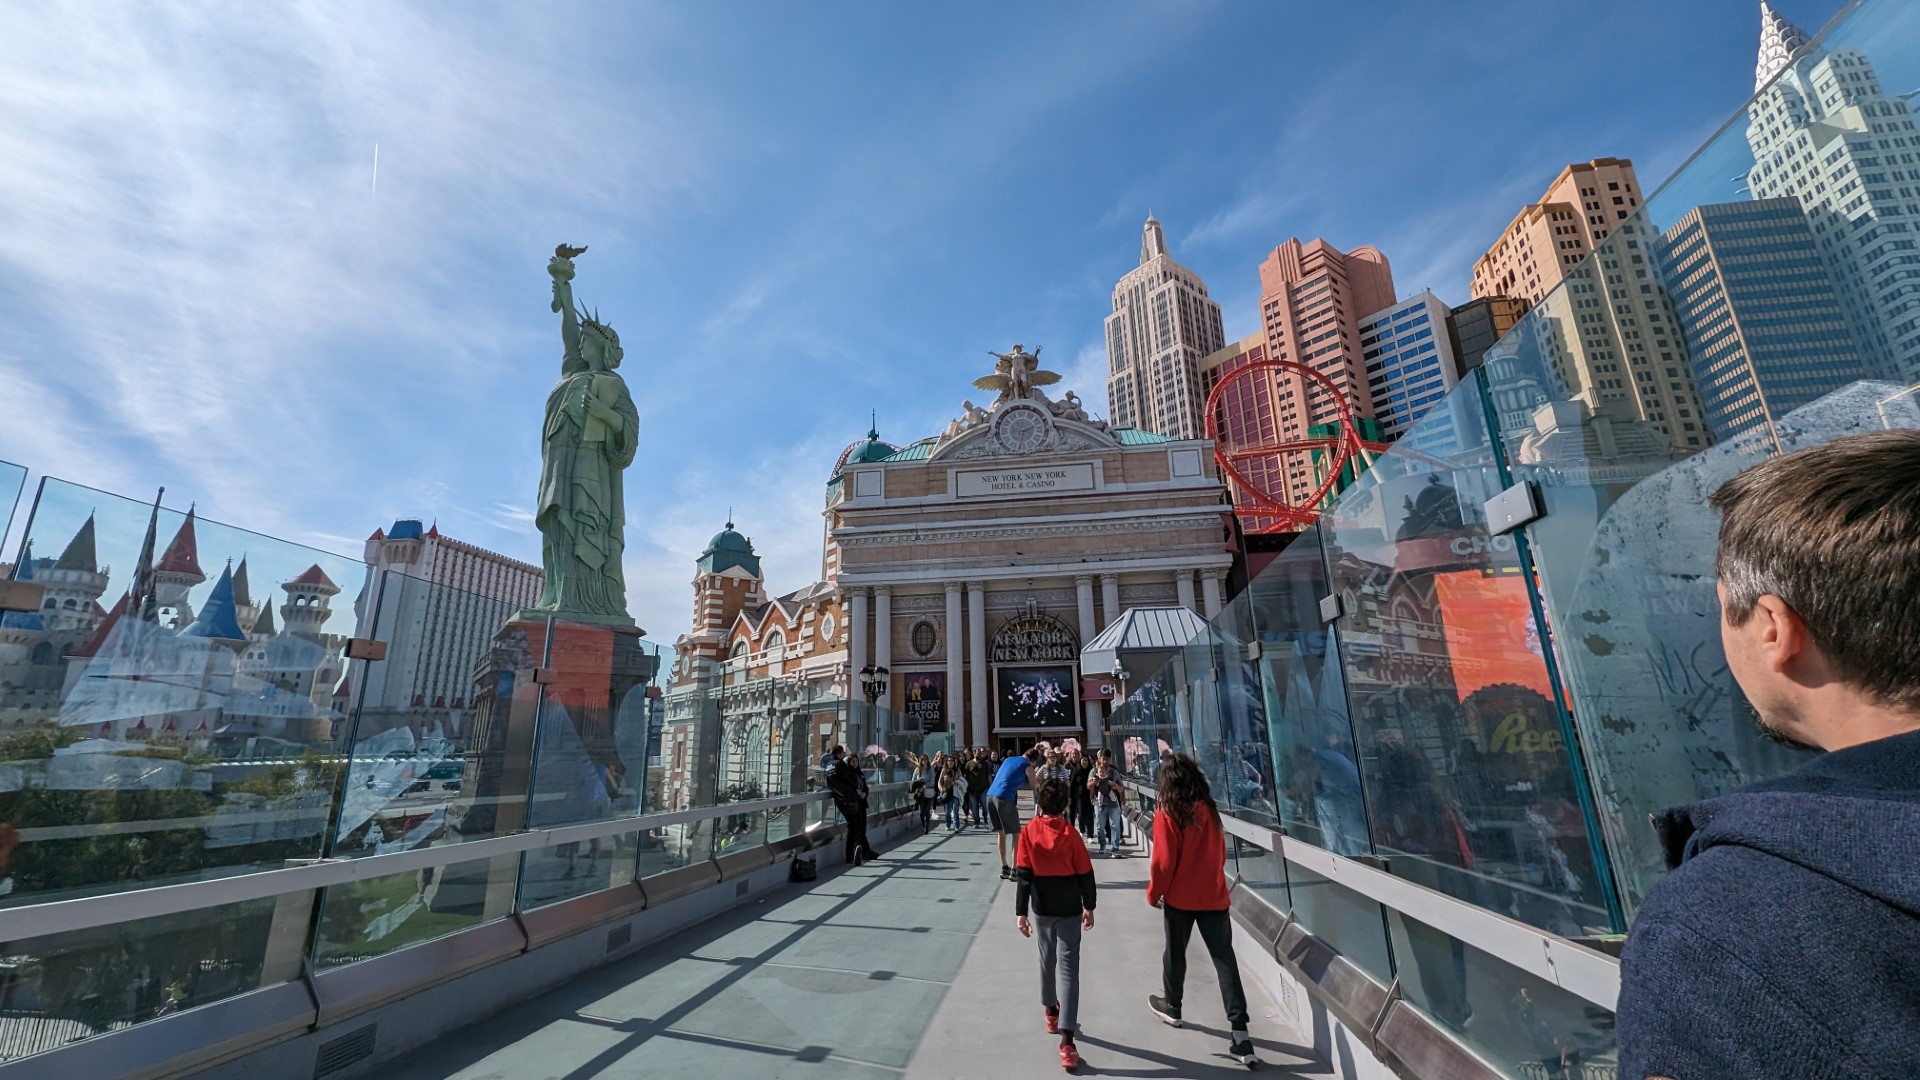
x=1312, y=298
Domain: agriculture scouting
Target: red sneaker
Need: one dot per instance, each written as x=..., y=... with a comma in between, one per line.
x=1069, y=1057
x=1053, y=1022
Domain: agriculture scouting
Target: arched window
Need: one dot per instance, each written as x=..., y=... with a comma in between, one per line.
x=776, y=639
x=43, y=653
x=69, y=605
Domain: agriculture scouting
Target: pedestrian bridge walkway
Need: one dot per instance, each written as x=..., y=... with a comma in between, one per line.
x=909, y=966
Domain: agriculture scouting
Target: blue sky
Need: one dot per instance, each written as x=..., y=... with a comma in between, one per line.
x=797, y=213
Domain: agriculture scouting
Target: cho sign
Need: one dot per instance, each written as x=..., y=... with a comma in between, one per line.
x=1040, y=480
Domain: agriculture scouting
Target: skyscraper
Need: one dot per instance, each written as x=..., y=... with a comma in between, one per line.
x=1606, y=325
x=1474, y=326
x=438, y=603
x=1162, y=324
x=1409, y=358
x=1765, y=326
x=1311, y=298
x=1246, y=416
x=1823, y=131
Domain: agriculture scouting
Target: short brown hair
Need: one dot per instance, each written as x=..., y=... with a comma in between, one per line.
x=1052, y=797
x=1834, y=532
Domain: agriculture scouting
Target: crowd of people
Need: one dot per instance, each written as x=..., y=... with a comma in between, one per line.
x=958, y=788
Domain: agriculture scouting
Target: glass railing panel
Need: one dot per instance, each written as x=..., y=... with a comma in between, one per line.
x=185, y=733
x=1627, y=558
x=672, y=846
x=441, y=736
x=1469, y=781
x=1753, y=306
x=379, y=915
x=443, y=726
x=739, y=832
x=1260, y=869
x=1248, y=786
x=67, y=987
x=1351, y=924
x=1524, y=1025
x=591, y=754
x=1303, y=694
x=13, y=481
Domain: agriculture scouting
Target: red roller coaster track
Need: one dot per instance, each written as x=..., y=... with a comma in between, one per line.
x=1267, y=511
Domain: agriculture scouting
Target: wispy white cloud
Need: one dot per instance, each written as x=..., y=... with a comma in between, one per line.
x=203, y=287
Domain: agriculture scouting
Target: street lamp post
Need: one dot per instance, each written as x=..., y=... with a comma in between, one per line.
x=873, y=683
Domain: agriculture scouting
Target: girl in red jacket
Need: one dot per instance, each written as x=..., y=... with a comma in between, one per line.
x=1188, y=882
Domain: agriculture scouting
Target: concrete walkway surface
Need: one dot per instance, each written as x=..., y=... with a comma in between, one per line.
x=906, y=967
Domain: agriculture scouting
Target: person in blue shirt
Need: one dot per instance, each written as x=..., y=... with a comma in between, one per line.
x=1003, y=805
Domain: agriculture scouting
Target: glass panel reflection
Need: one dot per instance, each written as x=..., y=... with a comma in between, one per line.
x=170, y=712
x=13, y=480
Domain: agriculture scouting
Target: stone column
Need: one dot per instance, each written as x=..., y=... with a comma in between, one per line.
x=977, y=722
x=856, y=637
x=1210, y=593
x=1109, y=600
x=861, y=717
x=1183, y=584
x=883, y=626
x=956, y=711
x=1083, y=594
x=883, y=722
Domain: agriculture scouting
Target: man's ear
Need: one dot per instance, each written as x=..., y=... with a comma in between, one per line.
x=1781, y=635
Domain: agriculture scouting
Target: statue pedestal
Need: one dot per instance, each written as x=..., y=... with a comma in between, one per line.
x=541, y=672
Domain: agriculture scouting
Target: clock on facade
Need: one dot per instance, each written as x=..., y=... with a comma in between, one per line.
x=1022, y=427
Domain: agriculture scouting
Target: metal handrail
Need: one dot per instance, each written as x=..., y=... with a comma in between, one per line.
x=110, y=909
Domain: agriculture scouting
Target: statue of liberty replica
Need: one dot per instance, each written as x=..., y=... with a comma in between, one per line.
x=587, y=439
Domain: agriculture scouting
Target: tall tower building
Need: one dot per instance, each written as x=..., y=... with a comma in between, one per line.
x=1163, y=324
x=438, y=603
x=726, y=581
x=1476, y=325
x=1604, y=322
x=1245, y=416
x=1311, y=299
x=1410, y=361
x=1823, y=131
x=1766, y=330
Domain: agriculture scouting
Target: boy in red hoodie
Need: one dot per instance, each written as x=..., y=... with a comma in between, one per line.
x=1055, y=876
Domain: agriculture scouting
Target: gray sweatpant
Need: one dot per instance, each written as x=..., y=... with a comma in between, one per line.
x=1059, y=939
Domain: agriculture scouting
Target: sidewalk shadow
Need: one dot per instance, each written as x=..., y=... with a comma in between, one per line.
x=462, y=1048
x=1219, y=1065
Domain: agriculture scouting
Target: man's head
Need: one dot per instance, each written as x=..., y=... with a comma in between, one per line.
x=839, y=751
x=1034, y=755
x=1052, y=798
x=1819, y=568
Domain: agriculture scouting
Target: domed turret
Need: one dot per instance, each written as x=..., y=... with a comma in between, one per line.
x=870, y=449
x=729, y=549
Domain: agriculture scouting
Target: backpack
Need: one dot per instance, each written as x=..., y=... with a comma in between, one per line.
x=804, y=868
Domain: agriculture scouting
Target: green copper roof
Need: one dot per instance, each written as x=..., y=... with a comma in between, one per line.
x=919, y=451
x=1135, y=437
x=871, y=450
x=727, y=550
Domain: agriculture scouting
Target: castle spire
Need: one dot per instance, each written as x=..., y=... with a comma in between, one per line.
x=183, y=554
x=1153, y=242
x=1780, y=41
x=80, y=554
